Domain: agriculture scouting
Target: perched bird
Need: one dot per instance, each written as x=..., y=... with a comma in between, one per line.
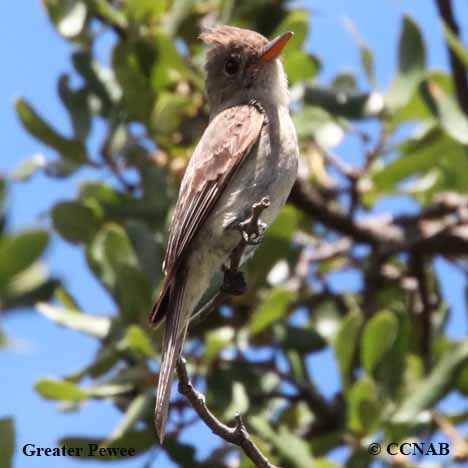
x=248, y=151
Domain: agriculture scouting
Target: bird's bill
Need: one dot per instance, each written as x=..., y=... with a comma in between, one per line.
x=274, y=48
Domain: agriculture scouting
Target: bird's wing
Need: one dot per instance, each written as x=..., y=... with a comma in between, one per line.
x=226, y=142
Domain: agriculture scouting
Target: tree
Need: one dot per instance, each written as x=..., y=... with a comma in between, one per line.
x=388, y=337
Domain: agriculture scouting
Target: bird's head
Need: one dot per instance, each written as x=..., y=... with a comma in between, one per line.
x=242, y=65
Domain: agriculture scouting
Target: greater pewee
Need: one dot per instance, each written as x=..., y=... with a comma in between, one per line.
x=249, y=151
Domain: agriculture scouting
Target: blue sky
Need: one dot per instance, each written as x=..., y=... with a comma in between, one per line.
x=34, y=56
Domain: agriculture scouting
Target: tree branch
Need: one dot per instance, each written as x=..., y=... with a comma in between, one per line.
x=458, y=69
x=442, y=228
x=236, y=435
x=306, y=199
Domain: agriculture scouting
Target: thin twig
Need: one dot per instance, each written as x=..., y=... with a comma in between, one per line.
x=457, y=442
x=236, y=435
x=460, y=78
x=340, y=165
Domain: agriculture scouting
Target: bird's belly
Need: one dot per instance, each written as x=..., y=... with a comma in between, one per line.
x=269, y=171
x=253, y=183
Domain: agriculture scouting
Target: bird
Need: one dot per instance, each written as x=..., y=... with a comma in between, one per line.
x=248, y=152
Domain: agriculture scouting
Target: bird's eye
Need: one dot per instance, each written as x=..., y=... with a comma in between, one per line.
x=231, y=67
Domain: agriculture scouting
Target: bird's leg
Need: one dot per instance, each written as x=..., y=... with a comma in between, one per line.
x=252, y=230
x=234, y=282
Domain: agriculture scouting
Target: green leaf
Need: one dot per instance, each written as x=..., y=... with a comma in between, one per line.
x=132, y=61
x=28, y=167
x=389, y=372
x=345, y=345
x=239, y=402
x=448, y=113
x=70, y=149
x=133, y=293
x=293, y=450
x=76, y=102
x=360, y=458
x=181, y=454
x=75, y=221
x=63, y=296
x=302, y=340
x=53, y=389
x=276, y=244
x=365, y=54
x=273, y=307
x=28, y=287
x=377, y=339
x=110, y=390
x=109, y=13
x=110, y=249
x=89, y=324
x=411, y=64
x=7, y=442
x=148, y=248
x=340, y=104
x=100, y=81
x=170, y=67
x=113, y=260
x=363, y=407
x=435, y=386
x=296, y=21
x=411, y=49
x=433, y=150
x=217, y=339
x=324, y=463
x=139, y=408
x=19, y=251
x=297, y=417
x=137, y=340
x=169, y=111
x=345, y=82
x=118, y=206
x=145, y=10
x=299, y=66
x=68, y=16
x=105, y=359
x=286, y=223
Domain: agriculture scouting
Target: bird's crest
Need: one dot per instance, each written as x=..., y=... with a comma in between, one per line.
x=225, y=37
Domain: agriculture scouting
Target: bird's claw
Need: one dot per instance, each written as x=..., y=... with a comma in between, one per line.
x=234, y=283
x=252, y=236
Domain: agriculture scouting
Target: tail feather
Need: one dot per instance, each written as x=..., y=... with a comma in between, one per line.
x=174, y=336
x=160, y=307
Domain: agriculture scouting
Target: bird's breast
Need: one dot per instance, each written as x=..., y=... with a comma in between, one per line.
x=268, y=171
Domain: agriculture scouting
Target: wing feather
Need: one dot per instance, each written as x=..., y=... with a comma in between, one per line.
x=224, y=145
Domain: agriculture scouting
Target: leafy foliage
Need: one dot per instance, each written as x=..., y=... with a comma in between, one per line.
x=388, y=336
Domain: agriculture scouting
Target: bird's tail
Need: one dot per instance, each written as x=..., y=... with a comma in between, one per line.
x=174, y=336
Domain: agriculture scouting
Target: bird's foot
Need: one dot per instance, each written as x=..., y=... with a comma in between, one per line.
x=234, y=282
x=253, y=228
x=252, y=236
